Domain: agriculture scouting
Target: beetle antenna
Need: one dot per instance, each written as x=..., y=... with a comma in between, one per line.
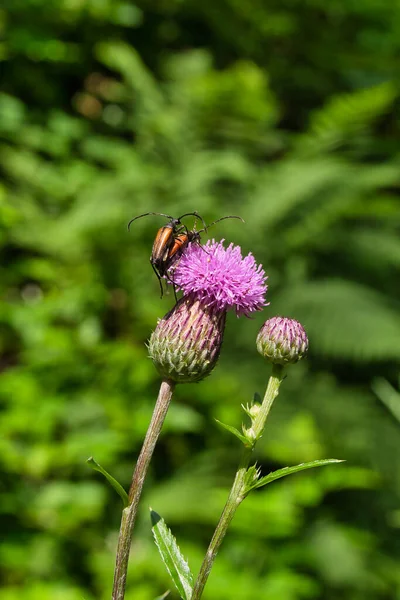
x=194, y=214
x=146, y=215
x=221, y=219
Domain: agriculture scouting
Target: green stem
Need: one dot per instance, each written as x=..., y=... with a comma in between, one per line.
x=237, y=493
x=129, y=513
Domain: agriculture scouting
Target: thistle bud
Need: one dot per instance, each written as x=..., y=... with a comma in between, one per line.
x=186, y=343
x=282, y=341
x=254, y=410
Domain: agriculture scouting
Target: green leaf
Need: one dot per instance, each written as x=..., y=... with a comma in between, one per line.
x=167, y=593
x=388, y=395
x=235, y=432
x=117, y=486
x=289, y=470
x=171, y=555
x=257, y=398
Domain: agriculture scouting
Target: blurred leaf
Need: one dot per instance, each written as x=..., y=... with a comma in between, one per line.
x=388, y=395
x=348, y=114
x=257, y=398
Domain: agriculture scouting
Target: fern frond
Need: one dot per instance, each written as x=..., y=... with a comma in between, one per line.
x=348, y=114
x=345, y=320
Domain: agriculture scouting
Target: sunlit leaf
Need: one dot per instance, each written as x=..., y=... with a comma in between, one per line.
x=291, y=470
x=172, y=557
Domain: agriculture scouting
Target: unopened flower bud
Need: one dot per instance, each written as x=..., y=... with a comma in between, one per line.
x=249, y=433
x=186, y=342
x=282, y=341
x=254, y=410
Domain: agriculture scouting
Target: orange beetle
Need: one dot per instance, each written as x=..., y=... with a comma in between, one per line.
x=168, y=241
x=171, y=241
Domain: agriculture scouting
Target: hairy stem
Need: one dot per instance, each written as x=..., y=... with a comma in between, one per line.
x=237, y=492
x=129, y=513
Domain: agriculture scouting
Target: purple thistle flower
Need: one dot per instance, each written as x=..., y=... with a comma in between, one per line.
x=221, y=278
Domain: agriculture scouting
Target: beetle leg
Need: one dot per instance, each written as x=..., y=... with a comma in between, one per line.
x=158, y=277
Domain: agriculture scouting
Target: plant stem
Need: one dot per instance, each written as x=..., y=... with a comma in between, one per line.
x=129, y=513
x=237, y=493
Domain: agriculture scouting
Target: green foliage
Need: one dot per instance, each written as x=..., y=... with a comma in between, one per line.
x=350, y=115
x=286, y=114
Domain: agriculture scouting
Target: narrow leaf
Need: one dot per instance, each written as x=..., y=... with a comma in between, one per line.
x=235, y=432
x=388, y=395
x=257, y=398
x=171, y=555
x=289, y=470
x=113, y=482
x=167, y=593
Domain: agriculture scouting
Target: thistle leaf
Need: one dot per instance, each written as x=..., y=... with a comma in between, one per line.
x=113, y=482
x=172, y=557
x=235, y=432
x=289, y=470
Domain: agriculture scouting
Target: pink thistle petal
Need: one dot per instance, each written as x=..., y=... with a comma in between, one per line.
x=221, y=278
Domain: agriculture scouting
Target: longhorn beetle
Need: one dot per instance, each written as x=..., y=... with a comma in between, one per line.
x=171, y=241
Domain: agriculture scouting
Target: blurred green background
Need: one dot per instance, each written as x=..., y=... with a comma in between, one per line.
x=286, y=113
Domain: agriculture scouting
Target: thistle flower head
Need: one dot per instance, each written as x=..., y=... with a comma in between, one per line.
x=221, y=278
x=186, y=343
x=282, y=340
